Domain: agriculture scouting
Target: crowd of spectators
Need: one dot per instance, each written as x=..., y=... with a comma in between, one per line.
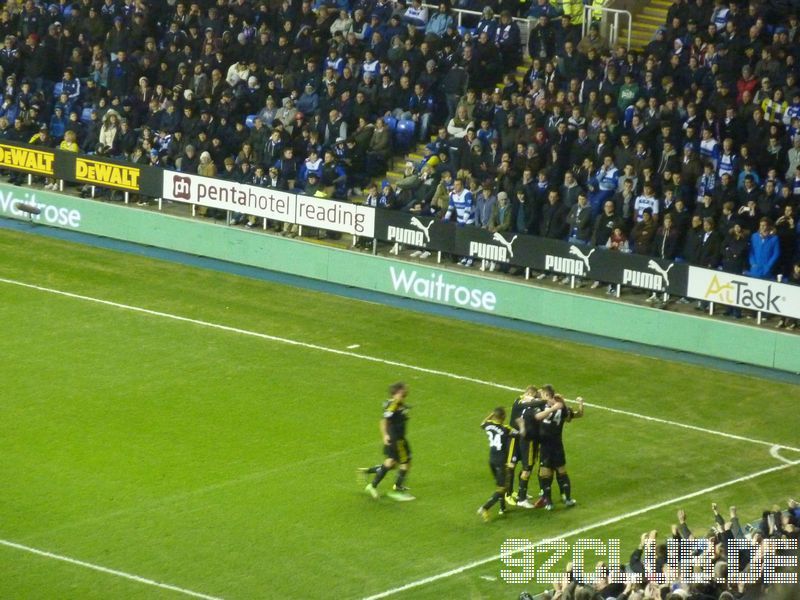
x=300, y=88
x=651, y=556
x=688, y=150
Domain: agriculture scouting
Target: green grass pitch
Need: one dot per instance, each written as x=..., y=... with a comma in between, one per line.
x=223, y=463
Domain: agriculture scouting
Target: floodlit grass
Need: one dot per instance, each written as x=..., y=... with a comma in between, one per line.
x=224, y=463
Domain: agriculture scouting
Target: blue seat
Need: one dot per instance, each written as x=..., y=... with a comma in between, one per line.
x=391, y=123
x=86, y=115
x=57, y=88
x=57, y=129
x=404, y=135
x=250, y=121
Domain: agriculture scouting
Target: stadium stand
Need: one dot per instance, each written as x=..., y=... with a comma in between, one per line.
x=528, y=98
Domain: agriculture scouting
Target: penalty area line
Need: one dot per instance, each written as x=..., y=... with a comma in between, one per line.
x=374, y=359
x=102, y=569
x=579, y=531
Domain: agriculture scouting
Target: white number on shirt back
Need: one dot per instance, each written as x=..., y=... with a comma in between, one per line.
x=495, y=440
x=553, y=418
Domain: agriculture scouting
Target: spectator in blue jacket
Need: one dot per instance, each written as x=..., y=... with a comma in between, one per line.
x=71, y=86
x=308, y=103
x=764, y=250
x=439, y=22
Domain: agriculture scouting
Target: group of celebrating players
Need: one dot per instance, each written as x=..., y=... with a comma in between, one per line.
x=535, y=430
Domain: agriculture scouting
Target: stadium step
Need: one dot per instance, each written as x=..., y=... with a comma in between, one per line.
x=655, y=11
x=641, y=28
x=648, y=16
x=650, y=20
x=639, y=39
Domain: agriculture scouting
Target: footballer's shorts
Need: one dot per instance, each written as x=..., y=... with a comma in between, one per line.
x=552, y=454
x=398, y=450
x=523, y=452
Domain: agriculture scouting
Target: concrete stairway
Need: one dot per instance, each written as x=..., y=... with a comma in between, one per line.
x=648, y=16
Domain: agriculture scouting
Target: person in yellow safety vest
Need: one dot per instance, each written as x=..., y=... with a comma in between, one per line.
x=597, y=4
x=573, y=8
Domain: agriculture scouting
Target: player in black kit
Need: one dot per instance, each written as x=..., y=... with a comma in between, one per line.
x=553, y=457
x=523, y=449
x=500, y=438
x=395, y=445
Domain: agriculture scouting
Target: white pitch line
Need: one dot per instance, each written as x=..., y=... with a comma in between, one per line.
x=775, y=452
x=374, y=359
x=580, y=530
x=94, y=567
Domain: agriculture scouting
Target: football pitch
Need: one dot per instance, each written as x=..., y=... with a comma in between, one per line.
x=170, y=431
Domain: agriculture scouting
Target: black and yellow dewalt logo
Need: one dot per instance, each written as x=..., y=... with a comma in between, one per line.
x=100, y=173
x=26, y=159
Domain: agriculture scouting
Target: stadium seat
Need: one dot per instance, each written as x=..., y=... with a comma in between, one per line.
x=404, y=135
x=57, y=89
x=57, y=129
x=391, y=123
x=86, y=115
x=250, y=121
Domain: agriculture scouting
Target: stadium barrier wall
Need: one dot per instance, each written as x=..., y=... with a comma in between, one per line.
x=700, y=335
x=573, y=260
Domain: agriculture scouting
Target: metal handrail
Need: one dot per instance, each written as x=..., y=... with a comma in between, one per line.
x=613, y=25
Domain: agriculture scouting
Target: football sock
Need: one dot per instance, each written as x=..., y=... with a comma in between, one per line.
x=564, y=485
x=497, y=496
x=523, y=488
x=546, y=483
x=380, y=473
x=509, y=481
x=374, y=469
x=401, y=478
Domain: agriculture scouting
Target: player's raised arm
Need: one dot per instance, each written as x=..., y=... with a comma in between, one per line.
x=543, y=414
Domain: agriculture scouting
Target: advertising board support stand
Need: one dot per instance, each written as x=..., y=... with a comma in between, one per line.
x=758, y=317
x=264, y=223
x=92, y=188
x=127, y=197
x=30, y=179
x=711, y=309
x=375, y=246
x=60, y=185
x=159, y=204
